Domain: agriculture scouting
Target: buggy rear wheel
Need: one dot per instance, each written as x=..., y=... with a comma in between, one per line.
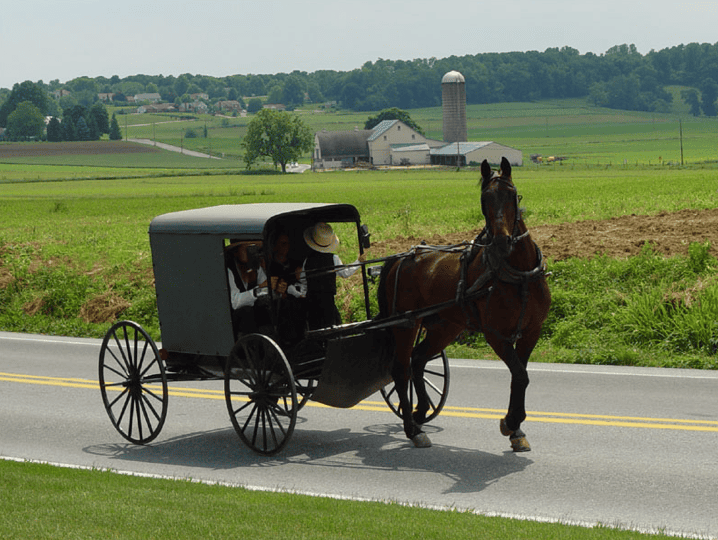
x=261, y=394
x=133, y=382
x=436, y=379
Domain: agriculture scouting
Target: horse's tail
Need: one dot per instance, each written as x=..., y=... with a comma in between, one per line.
x=381, y=291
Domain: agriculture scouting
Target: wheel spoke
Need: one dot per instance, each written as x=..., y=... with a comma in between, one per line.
x=130, y=363
x=260, y=374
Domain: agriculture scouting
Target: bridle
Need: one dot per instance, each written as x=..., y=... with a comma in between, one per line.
x=485, y=238
x=496, y=267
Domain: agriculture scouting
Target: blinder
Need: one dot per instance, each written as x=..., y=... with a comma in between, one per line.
x=506, y=181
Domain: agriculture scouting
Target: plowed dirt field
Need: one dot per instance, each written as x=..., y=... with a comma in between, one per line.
x=621, y=237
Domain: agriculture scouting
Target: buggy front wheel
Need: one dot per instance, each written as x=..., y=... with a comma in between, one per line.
x=261, y=394
x=133, y=382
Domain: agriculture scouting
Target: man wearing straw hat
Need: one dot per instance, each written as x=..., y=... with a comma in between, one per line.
x=318, y=280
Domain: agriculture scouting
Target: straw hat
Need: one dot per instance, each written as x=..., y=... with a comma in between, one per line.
x=321, y=238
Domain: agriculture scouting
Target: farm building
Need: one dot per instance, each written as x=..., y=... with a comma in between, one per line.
x=392, y=142
x=465, y=153
x=340, y=149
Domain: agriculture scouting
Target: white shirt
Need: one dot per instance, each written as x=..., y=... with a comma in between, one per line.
x=301, y=286
x=247, y=298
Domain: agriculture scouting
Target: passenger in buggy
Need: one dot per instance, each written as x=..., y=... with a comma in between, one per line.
x=247, y=286
x=288, y=301
x=318, y=280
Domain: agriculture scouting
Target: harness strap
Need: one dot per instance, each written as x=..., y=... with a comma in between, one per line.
x=506, y=274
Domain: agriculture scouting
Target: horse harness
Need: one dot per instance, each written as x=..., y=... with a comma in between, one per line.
x=495, y=269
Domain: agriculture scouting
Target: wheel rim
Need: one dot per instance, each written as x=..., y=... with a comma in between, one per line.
x=436, y=379
x=261, y=394
x=133, y=382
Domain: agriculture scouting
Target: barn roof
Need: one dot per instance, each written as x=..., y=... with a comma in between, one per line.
x=462, y=148
x=344, y=143
x=381, y=128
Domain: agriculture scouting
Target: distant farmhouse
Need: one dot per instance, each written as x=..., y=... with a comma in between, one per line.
x=392, y=142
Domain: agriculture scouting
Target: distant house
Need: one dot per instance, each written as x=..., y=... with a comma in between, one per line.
x=61, y=93
x=156, y=108
x=392, y=142
x=197, y=97
x=229, y=105
x=152, y=98
x=106, y=96
x=196, y=106
x=275, y=106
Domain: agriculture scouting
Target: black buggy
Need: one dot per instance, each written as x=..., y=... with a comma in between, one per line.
x=268, y=374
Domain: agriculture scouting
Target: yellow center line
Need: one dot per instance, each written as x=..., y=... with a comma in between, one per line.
x=380, y=406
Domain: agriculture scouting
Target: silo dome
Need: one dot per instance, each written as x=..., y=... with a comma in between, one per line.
x=453, y=77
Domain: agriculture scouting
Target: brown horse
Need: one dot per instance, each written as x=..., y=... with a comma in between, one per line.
x=496, y=285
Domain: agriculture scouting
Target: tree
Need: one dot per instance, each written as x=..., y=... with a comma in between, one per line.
x=293, y=92
x=709, y=94
x=54, y=130
x=393, y=114
x=115, y=132
x=98, y=113
x=275, y=94
x=254, y=105
x=26, y=122
x=280, y=136
x=83, y=131
x=690, y=97
x=27, y=91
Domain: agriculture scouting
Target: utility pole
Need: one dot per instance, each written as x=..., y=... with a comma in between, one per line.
x=680, y=125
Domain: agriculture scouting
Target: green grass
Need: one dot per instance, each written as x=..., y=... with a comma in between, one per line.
x=45, y=502
x=67, y=244
x=88, y=215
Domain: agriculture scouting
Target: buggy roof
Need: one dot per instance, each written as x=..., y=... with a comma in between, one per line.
x=247, y=219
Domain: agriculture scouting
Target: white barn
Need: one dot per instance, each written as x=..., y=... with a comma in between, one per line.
x=465, y=153
x=392, y=142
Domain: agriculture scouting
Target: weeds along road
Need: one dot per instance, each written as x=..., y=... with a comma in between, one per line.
x=618, y=446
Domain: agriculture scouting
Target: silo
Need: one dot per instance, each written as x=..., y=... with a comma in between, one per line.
x=453, y=99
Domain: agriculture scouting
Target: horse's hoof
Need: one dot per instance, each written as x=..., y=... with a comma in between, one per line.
x=505, y=431
x=421, y=440
x=520, y=444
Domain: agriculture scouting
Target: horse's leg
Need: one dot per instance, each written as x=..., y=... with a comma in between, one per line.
x=436, y=339
x=401, y=373
x=511, y=424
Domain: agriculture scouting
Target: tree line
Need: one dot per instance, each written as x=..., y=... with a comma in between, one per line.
x=620, y=78
x=24, y=113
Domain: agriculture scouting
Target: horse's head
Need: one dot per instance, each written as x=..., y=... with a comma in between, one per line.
x=500, y=206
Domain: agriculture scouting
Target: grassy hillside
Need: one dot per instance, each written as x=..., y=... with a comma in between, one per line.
x=570, y=128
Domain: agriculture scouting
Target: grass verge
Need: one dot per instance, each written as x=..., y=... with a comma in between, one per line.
x=46, y=502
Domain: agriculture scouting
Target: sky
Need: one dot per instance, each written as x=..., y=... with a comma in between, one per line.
x=63, y=39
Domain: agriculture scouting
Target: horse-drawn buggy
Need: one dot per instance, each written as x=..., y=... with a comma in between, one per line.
x=276, y=348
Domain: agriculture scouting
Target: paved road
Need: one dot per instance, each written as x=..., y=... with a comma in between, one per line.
x=618, y=446
x=292, y=168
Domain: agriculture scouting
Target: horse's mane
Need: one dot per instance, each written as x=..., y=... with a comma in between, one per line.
x=381, y=291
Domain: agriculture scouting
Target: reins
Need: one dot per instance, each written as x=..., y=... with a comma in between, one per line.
x=494, y=268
